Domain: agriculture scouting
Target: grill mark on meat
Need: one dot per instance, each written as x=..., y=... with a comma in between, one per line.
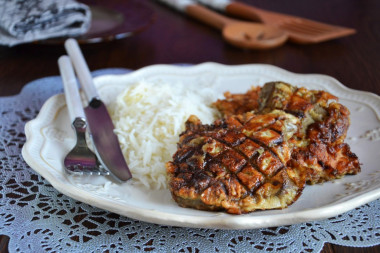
x=275, y=130
x=269, y=150
x=251, y=160
x=234, y=176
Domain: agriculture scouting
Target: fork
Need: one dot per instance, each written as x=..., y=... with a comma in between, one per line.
x=300, y=30
x=80, y=160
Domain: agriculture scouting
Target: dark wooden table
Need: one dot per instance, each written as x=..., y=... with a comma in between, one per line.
x=174, y=38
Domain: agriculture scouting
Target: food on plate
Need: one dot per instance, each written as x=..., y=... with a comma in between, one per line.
x=148, y=117
x=319, y=141
x=270, y=142
x=237, y=164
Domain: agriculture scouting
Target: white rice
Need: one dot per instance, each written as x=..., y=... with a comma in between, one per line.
x=148, y=119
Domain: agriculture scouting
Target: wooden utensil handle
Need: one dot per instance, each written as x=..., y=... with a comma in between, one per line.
x=207, y=16
x=244, y=11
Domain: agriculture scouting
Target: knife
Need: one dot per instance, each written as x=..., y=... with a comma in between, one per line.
x=106, y=143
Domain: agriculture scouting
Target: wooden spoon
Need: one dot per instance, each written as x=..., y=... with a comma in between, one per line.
x=241, y=34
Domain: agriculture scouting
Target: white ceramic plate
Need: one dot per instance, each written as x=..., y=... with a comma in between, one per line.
x=49, y=138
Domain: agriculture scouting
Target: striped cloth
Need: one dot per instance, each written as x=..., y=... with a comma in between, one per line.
x=23, y=21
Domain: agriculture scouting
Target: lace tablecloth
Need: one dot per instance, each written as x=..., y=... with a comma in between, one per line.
x=38, y=218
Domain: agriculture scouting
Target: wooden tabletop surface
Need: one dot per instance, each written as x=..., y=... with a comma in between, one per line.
x=175, y=38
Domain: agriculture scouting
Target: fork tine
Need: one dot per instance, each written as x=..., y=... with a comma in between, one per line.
x=80, y=170
x=312, y=26
x=73, y=170
x=103, y=171
x=296, y=29
x=307, y=27
x=308, y=31
x=305, y=34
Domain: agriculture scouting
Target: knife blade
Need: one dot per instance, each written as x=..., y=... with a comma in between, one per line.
x=106, y=143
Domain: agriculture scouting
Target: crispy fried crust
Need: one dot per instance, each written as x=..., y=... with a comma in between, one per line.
x=235, y=104
x=322, y=162
x=332, y=129
x=319, y=150
x=237, y=164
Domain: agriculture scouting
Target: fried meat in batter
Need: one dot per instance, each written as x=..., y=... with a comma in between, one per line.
x=270, y=142
x=238, y=164
x=319, y=142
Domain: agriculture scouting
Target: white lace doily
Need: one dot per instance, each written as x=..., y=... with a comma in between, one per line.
x=37, y=218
